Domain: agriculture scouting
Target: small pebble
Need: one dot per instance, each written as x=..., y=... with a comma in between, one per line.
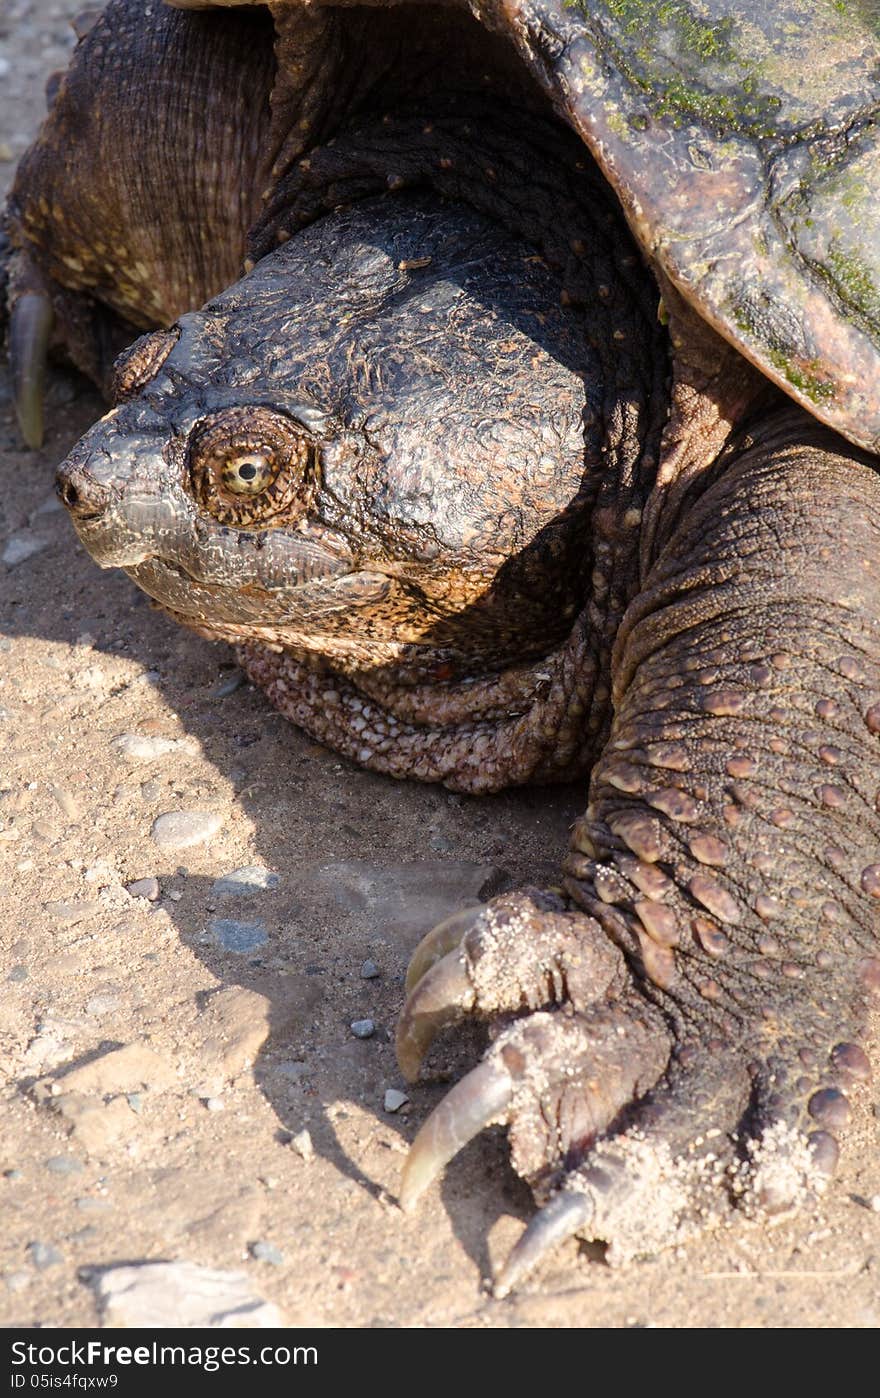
x=69, y=914
x=266, y=1252
x=18, y=973
x=369, y=971
x=103, y=1004
x=363, y=1028
x=251, y=878
x=293, y=1068
x=44, y=1255
x=181, y=829
x=66, y=803
x=240, y=937
x=302, y=1144
x=51, y=505
x=215, y=1104
x=875, y=1203
x=144, y=888
x=16, y=1281
x=88, y=1205
x=227, y=684
x=13, y=1176
x=135, y=1101
x=64, y=1165
x=22, y=546
x=179, y=1295
x=143, y=747
x=394, y=1099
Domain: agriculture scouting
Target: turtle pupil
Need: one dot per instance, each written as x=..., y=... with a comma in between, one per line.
x=247, y=471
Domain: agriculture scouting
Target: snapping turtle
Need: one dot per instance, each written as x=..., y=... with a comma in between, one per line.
x=489, y=464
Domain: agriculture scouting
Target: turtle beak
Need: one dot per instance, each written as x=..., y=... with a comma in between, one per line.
x=114, y=486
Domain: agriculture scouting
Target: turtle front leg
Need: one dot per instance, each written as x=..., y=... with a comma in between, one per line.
x=684, y=1029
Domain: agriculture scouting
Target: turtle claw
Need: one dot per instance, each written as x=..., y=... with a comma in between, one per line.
x=441, y=940
x=30, y=326
x=562, y=1218
x=481, y=1099
x=519, y=952
x=442, y=997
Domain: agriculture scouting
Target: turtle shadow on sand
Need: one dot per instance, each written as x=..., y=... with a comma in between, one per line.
x=353, y=885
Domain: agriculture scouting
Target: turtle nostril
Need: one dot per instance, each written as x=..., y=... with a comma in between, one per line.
x=84, y=497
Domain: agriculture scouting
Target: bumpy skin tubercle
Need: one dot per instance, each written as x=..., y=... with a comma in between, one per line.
x=729, y=851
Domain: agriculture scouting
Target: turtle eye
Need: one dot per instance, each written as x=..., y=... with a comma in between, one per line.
x=252, y=467
x=248, y=475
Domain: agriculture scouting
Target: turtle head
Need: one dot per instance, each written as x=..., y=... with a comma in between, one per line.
x=371, y=448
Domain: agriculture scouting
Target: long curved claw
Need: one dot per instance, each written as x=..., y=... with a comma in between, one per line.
x=30, y=326
x=560, y=1219
x=441, y=940
x=479, y=1100
x=442, y=997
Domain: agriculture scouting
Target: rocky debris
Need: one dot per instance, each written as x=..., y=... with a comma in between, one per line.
x=262, y=1251
x=144, y=888
x=404, y=900
x=394, y=1099
x=181, y=1295
x=50, y=1045
x=68, y=914
x=215, y=1104
x=302, y=1144
x=294, y=1069
x=64, y=1165
x=182, y=829
x=235, y=1025
x=122, y=1069
x=106, y=1004
x=363, y=1028
x=240, y=937
x=369, y=971
x=95, y=1125
x=227, y=684
x=22, y=546
x=67, y=803
x=143, y=747
x=44, y=1255
x=242, y=883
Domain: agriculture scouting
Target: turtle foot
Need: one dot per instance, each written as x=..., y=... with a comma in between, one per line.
x=632, y=1130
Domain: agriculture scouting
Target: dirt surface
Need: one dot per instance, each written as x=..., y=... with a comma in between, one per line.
x=189, y=1145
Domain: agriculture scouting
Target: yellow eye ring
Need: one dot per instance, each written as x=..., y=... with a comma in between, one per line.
x=252, y=467
x=249, y=474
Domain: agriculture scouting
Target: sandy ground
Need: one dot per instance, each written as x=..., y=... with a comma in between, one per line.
x=189, y=1145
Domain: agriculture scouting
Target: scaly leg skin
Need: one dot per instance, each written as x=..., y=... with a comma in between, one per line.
x=690, y=1013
